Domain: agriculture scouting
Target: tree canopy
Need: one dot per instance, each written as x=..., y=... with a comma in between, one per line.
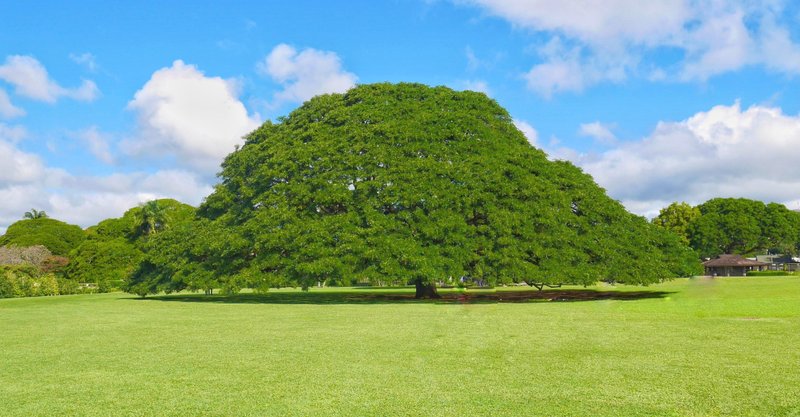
x=745, y=227
x=676, y=218
x=55, y=235
x=115, y=247
x=406, y=183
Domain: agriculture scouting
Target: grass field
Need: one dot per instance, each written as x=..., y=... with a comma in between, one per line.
x=729, y=346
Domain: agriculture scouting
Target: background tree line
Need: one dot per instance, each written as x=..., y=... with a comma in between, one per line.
x=734, y=226
x=44, y=256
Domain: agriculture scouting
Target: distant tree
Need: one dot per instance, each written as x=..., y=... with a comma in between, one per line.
x=59, y=237
x=727, y=225
x=781, y=229
x=743, y=226
x=34, y=214
x=405, y=184
x=676, y=218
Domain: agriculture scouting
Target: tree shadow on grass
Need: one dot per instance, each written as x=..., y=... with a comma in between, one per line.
x=395, y=297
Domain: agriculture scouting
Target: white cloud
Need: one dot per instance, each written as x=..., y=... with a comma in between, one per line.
x=26, y=182
x=97, y=142
x=7, y=109
x=87, y=200
x=185, y=114
x=478, y=86
x=598, y=131
x=721, y=43
x=609, y=40
x=530, y=133
x=724, y=152
x=572, y=69
x=643, y=22
x=86, y=59
x=18, y=166
x=30, y=79
x=777, y=48
x=12, y=134
x=305, y=74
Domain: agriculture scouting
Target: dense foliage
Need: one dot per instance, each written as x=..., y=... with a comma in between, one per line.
x=55, y=235
x=26, y=280
x=115, y=247
x=735, y=226
x=405, y=183
x=104, y=262
x=44, y=256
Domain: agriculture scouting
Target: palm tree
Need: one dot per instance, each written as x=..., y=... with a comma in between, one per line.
x=34, y=214
x=151, y=218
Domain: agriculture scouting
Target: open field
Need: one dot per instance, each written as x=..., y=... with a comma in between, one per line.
x=729, y=346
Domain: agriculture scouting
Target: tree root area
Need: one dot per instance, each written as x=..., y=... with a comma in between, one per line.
x=365, y=296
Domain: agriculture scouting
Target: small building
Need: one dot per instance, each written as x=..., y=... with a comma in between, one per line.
x=733, y=266
x=780, y=262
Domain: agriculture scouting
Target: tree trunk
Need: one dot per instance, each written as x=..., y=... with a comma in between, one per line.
x=426, y=290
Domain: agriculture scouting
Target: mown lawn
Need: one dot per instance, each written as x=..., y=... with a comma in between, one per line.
x=729, y=346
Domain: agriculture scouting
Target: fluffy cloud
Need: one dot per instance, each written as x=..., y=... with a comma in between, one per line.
x=182, y=113
x=530, y=133
x=611, y=41
x=724, y=152
x=598, y=131
x=97, y=142
x=7, y=109
x=305, y=74
x=18, y=166
x=86, y=200
x=644, y=22
x=30, y=79
x=479, y=86
x=12, y=134
x=26, y=182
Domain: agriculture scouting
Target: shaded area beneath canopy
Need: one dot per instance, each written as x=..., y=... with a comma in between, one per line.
x=405, y=295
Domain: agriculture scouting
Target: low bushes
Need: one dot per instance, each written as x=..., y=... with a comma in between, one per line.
x=26, y=280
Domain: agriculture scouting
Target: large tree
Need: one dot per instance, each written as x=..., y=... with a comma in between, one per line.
x=743, y=226
x=407, y=183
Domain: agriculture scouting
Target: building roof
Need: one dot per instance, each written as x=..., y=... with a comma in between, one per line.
x=733, y=260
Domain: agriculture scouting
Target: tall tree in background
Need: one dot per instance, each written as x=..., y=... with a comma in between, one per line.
x=404, y=183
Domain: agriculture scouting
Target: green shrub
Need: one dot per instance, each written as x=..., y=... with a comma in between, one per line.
x=67, y=286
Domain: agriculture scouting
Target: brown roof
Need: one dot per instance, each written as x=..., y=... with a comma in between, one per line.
x=733, y=260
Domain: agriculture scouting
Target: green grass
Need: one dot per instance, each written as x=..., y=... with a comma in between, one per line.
x=729, y=346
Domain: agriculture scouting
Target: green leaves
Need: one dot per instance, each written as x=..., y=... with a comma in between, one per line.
x=403, y=183
x=742, y=226
x=57, y=236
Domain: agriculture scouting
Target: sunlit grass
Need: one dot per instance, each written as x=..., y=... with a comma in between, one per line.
x=692, y=348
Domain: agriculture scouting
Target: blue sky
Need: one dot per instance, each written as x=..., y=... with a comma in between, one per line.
x=104, y=105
